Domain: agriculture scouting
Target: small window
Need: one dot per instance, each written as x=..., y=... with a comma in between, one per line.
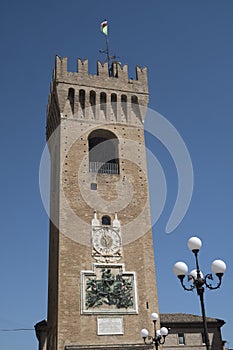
x=181, y=339
x=93, y=186
x=106, y=220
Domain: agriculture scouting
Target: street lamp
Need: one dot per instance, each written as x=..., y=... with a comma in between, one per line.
x=159, y=335
x=198, y=280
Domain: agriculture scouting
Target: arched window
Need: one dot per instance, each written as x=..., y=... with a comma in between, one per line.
x=103, y=100
x=82, y=98
x=92, y=98
x=124, y=104
x=106, y=220
x=71, y=98
x=103, y=152
x=113, y=98
x=135, y=106
x=114, y=103
x=134, y=100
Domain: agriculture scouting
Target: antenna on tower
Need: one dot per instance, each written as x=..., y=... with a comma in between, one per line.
x=104, y=30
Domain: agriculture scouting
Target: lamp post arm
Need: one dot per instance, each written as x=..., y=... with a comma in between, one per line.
x=190, y=288
x=210, y=277
x=162, y=340
x=149, y=341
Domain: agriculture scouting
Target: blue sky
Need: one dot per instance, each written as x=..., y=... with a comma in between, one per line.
x=187, y=47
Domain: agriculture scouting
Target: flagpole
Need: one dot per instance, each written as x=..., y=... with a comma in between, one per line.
x=104, y=29
x=107, y=53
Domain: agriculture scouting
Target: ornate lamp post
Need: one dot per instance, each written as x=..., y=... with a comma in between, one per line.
x=198, y=280
x=159, y=335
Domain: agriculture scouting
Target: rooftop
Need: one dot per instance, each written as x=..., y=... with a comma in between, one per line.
x=184, y=318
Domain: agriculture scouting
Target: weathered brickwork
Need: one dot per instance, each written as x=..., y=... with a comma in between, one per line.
x=117, y=104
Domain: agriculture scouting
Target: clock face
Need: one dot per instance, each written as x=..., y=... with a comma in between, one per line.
x=106, y=241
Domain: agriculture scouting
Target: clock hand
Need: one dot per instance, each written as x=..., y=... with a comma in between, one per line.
x=107, y=241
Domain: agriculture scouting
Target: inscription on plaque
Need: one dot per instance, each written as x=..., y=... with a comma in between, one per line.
x=110, y=325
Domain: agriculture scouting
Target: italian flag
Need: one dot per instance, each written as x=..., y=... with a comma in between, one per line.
x=104, y=27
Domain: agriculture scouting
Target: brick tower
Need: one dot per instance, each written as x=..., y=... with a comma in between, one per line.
x=102, y=286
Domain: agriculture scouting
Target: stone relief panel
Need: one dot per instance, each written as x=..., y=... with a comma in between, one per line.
x=108, y=289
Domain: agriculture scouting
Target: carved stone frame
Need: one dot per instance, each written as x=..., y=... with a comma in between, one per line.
x=106, y=309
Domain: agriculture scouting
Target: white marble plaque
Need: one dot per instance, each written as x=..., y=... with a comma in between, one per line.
x=110, y=325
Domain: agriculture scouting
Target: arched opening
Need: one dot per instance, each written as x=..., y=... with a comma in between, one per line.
x=106, y=220
x=92, y=98
x=114, y=103
x=82, y=99
x=135, y=106
x=71, y=98
x=103, y=152
x=103, y=100
x=113, y=98
x=124, y=104
x=134, y=99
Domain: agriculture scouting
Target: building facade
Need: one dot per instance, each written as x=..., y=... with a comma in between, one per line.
x=186, y=332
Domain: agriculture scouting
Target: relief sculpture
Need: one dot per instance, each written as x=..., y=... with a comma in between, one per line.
x=110, y=290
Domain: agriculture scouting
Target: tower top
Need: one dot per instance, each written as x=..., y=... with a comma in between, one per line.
x=99, y=98
x=119, y=76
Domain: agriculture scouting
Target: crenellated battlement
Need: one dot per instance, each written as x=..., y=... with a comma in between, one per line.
x=102, y=97
x=118, y=79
